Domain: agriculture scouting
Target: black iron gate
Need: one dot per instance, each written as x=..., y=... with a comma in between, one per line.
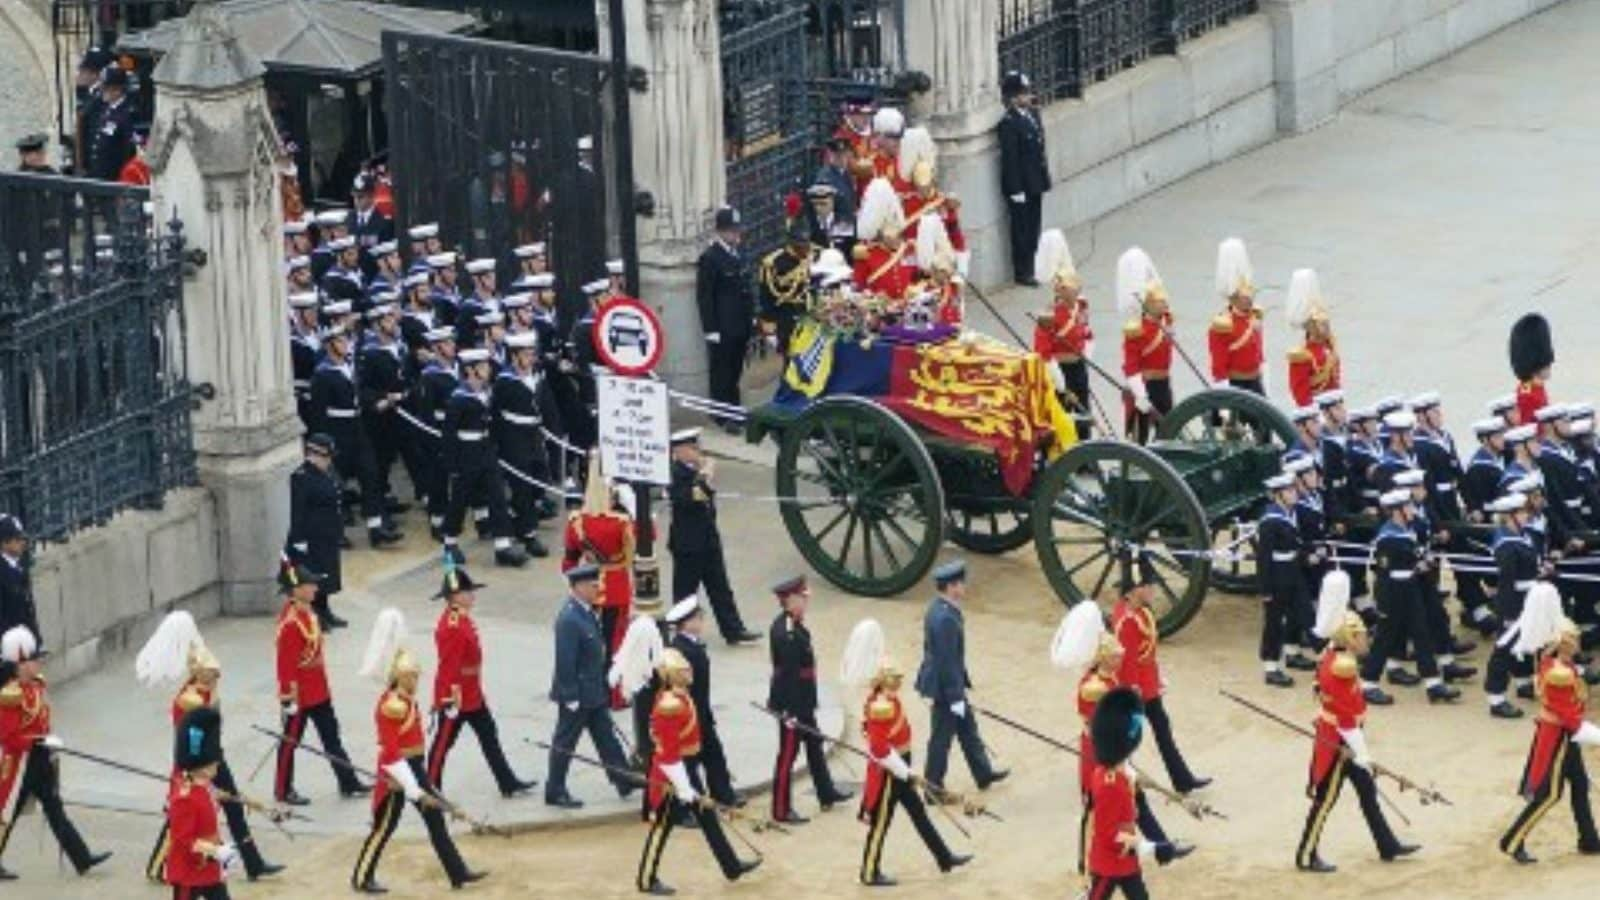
x=504, y=144
x=94, y=394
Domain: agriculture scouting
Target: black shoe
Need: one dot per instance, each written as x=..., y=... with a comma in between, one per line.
x=626, y=790
x=836, y=797
x=1301, y=662
x=1403, y=678
x=995, y=777
x=793, y=818
x=746, y=866
x=1278, y=678
x=356, y=790
x=381, y=537
x=454, y=552
x=469, y=878
x=880, y=880
x=1457, y=672
x=1318, y=866
x=535, y=547
x=1026, y=281
x=1170, y=852
x=484, y=530
x=94, y=859
x=393, y=506
x=1443, y=693
x=264, y=870
x=1524, y=857
x=293, y=798
x=658, y=889
x=1590, y=847
x=1525, y=691
x=565, y=801
x=1461, y=646
x=1505, y=710
x=332, y=621
x=1399, y=851
x=512, y=557
x=371, y=886
x=7, y=875
x=956, y=861
x=1196, y=782
x=743, y=637
x=1377, y=696
x=436, y=533
x=517, y=788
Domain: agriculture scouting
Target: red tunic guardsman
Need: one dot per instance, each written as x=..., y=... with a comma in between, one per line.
x=1560, y=734
x=918, y=170
x=1062, y=336
x=1314, y=366
x=27, y=745
x=458, y=697
x=398, y=719
x=1134, y=624
x=1532, y=355
x=303, y=691
x=888, y=128
x=1146, y=344
x=603, y=533
x=1339, y=753
x=675, y=733
x=1238, y=348
x=198, y=858
x=1114, y=841
x=884, y=263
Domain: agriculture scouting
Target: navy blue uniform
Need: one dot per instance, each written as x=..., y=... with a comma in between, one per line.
x=578, y=688
x=471, y=462
x=943, y=679
x=1397, y=562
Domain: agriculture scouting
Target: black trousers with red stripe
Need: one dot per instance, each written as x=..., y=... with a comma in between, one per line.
x=1131, y=886
x=445, y=732
x=218, y=891
x=40, y=782
x=294, y=728
x=789, y=741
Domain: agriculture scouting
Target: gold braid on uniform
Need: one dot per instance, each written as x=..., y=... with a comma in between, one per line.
x=790, y=287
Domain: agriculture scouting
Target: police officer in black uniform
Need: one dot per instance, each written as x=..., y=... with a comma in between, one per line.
x=792, y=694
x=110, y=139
x=316, y=523
x=695, y=542
x=367, y=225
x=383, y=387
x=1024, y=173
x=472, y=465
x=524, y=407
x=16, y=585
x=335, y=410
x=722, y=289
x=33, y=154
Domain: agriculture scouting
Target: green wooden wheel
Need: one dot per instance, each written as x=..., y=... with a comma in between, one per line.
x=863, y=502
x=1102, y=495
x=981, y=515
x=1226, y=416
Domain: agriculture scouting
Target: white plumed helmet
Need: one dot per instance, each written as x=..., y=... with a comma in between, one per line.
x=1234, y=274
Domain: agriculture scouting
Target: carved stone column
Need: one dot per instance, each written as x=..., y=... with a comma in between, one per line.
x=211, y=157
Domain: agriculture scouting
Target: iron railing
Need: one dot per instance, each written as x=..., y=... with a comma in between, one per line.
x=1193, y=18
x=1041, y=38
x=94, y=393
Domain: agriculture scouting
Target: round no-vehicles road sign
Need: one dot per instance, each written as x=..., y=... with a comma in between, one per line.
x=628, y=336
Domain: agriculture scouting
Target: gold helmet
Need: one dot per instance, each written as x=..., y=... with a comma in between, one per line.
x=1350, y=629
x=888, y=671
x=403, y=664
x=1568, y=635
x=201, y=659
x=1109, y=648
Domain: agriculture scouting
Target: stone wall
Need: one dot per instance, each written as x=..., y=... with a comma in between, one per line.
x=102, y=592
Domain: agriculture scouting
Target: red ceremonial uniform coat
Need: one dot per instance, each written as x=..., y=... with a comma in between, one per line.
x=1064, y=336
x=192, y=818
x=1115, y=815
x=1145, y=348
x=1313, y=368
x=1135, y=628
x=1237, y=347
x=399, y=722
x=675, y=731
x=1091, y=688
x=1343, y=707
x=301, y=675
x=1531, y=397
x=459, y=677
x=24, y=719
x=605, y=539
x=1562, y=697
x=887, y=166
x=883, y=721
x=916, y=205
x=883, y=271
x=950, y=310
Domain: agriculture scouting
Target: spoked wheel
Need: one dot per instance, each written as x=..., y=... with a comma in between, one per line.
x=862, y=502
x=1102, y=496
x=981, y=514
x=1226, y=416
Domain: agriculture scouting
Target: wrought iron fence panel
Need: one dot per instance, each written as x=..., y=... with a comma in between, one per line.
x=1193, y=18
x=1041, y=38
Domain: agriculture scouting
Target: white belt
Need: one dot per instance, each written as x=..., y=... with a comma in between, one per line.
x=1523, y=585
x=1574, y=502
x=438, y=415
x=1447, y=487
x=1401, y=576
x=519, y=418
x=1278, y=556
x=302, y=382
x=469, y=436
x=336, y=413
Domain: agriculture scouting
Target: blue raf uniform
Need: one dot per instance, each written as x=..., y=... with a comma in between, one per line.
x=583, y=701
x=942, y=679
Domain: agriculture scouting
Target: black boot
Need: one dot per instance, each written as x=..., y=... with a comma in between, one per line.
x=535, y=547
x=513, y=557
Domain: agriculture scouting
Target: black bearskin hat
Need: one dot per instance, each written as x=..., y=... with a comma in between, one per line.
x=1531, y=348
x=199, y=739
x=1117, y=727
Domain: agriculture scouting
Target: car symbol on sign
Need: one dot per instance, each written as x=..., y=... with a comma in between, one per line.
x=627, y=328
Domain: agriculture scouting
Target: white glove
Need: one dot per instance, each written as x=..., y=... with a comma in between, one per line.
x=1141, y=396
x=1220, y=383
x=451, y=711
x=959, y=708
x=571, y=707
x=1356, y=740
x=226, y=856
x=713, y=337
x=1266, y=385
x=303, y=547
x=1057, y=380
x=52, y=742
x=1147, y=848
x=291, y=708
x=1088, y=349
x=679, y=776
x=399, y=771
x=1588, y=734
x=1019, y=198
x=896, y=764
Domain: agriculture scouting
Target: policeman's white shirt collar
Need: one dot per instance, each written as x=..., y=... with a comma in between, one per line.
x=15, y=562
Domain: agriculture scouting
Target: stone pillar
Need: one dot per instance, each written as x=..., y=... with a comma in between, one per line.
x=677, y=141
x=211, y=156
x=1304, y=62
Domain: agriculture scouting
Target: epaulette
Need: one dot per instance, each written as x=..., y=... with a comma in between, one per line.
x=669, y=704
x=190, y=699
x=11, y=694
x=1300, y=354
x=1093, y=689
x=1134, y=327
x=1222, y=323
x=881, y=709
x=1560, y=675
x=452, y=617
x=1345, y=666
x=1257, y=313
x=859, y=251
x=394, y=706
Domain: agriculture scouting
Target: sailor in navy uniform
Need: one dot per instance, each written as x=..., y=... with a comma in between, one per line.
x=297, y=274
x=416, y=320
x=474, y=468
x=582, y=413
x=1399, y=563
x=1518, y=565
x=330, y=225
x=532, y=259
x=423, y=242
x=1559, y=466
x=437, y=382
x=1522, y=453
x=305, y=348
x=1286, y=604
x=1361, y=454
x=484, y=298
x=1311, y=518
x=518, y=309
x=1399, y=448
x=1430, y=539
x=445, y=295
x=524, y=407
x=335, y=411
x=382, y=378
x=1480, y=485
x=344, y=280
x=386, y=272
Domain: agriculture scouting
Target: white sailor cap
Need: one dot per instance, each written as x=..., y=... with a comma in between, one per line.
x=480, y=266
x=337, y=308
x=490, y=318
x=442, y=260
x=333, y=217
x=388, y=295
x=294, y=227
x=543, y=281
x=1580, y=427
x=380, y=310
x=683, y=609
x=299, y=262
x=1279, y=482
x=415, y=279
x=1387, y=405
x=336, y=330
x=1304, y=414
x=303, y=300
x=1400, y=420
x=1409, y=478
x=1527, y=484
x=599, y=285
x=102, y=241
x=1328, y=398
x=1362, y=414
x=1507, y=502
x=442, y=333
x=423, y=232
x=685, y=436
x=1298, y=463
x=473, y=355
x=1554, y=412
x=530, y=251
x=516, y=301
x=522, y=340
x=1395, y=498
x=1521, y=434
x=383, y=249
x=1425, y=400
x=1502, y=405
x=341, y=244
x=1487, y=427
x=616, y=267
x=586, y=142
